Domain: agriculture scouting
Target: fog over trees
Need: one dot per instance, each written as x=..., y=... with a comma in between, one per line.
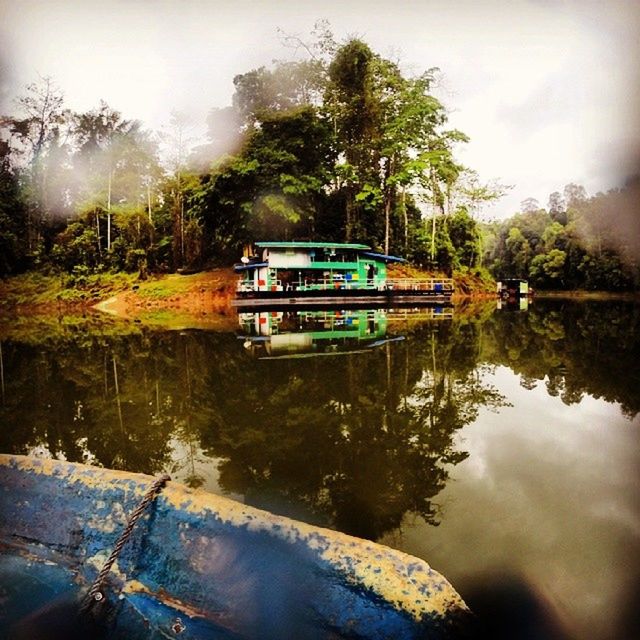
x=341, y=146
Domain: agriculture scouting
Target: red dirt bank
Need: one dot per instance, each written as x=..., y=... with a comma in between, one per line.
x=209, y=292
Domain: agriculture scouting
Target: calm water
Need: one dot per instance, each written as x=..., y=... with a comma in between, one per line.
x=502, y=446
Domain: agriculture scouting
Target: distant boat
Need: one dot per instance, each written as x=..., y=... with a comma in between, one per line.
x=513, y=288
x=316, y=274
x=201, y=566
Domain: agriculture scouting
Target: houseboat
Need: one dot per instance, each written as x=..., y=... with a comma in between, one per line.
x=317, y=274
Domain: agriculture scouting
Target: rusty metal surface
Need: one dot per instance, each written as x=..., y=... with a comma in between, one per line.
x=200, y=565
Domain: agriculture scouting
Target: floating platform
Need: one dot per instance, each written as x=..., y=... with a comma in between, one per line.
x=419, y=293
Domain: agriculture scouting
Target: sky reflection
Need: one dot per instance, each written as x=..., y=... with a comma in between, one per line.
x=549, y=493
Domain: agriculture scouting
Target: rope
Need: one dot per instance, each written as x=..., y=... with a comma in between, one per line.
x=95, y=594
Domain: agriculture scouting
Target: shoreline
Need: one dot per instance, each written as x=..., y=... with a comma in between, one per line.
x=200, y=299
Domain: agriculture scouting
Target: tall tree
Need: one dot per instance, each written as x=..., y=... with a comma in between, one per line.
x=31, y=134
x=389, y=133
x=355, y=114
x=13, y=217
x=116, y=164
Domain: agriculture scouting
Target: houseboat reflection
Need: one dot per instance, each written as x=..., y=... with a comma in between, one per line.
x=286, y=334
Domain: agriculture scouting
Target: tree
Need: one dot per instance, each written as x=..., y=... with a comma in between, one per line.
x=547, y=269
x=557, y=208
x=225, y=137
x=465, y=237
x=471, y=193
x=390, y=140
x=554, y=237
x=529, y=205
x=30, y=137
x=117, y=164
x=275, y=188
x=574, y=195
x=13, y=218
x=354, y=112
x=519, y=252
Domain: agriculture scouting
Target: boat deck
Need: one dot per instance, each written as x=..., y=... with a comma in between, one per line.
x=393, y=293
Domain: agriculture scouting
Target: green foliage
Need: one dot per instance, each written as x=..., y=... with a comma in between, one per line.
x=13, y=218
x=589, y=243
x=331, y=148
x=465, y=237
x=273, y=189
x=80, y=285
x=456, y=245
x=605, y=272
x=389, y=135
x=76, y=246
x=547, y=269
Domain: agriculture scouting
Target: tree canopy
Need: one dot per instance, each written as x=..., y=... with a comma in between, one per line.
x=340, y=146
x=579, y=242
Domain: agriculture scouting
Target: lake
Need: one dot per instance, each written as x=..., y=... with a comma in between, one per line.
x=500, y=445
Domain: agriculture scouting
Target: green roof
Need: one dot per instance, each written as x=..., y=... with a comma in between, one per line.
x=311, y=245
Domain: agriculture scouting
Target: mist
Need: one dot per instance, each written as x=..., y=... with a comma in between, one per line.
x=498, y=62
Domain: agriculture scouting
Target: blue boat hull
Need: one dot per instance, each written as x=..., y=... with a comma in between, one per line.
x=202, y=566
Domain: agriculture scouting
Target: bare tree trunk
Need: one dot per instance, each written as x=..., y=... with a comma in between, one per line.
x=406, y=219
x=182, y=228
x=433, y=234
x=118, y=403
x=98, y=232
x=388, y=201
x=349, y=225
x=149, y=202
x=109, y=211
x=387, y=223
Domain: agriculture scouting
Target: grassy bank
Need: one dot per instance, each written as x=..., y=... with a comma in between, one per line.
x=42, y=291
x=39, y=292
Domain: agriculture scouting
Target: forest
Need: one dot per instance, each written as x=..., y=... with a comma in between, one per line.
x=341, y=146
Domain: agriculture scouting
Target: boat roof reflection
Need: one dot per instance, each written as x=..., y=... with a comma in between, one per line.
x=303, y=334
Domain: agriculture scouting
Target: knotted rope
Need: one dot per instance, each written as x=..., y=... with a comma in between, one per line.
x=95, y=594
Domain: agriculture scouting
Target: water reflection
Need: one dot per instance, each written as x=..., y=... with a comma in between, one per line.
x=368, y=441
x=282, y=334
x=513, y=304
x=353, y=442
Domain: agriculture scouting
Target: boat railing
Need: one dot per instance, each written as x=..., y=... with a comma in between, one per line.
x=436, y=285
x=421, y=284
x=243, y=285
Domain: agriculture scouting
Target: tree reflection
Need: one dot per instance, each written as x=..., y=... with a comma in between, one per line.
x=574, y=347
x=353, y=441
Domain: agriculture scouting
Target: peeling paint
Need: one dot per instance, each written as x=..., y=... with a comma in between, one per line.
x=211, y=532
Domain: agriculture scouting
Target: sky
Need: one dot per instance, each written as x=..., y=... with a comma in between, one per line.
x=547, y=90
